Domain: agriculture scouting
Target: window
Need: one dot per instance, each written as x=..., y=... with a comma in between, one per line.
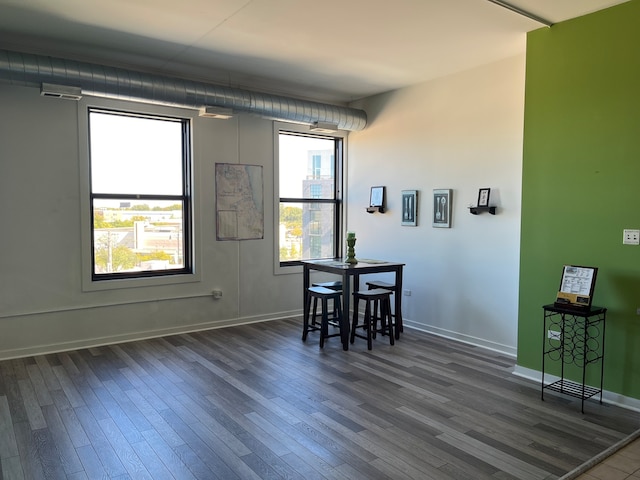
x=310, y=206
x=140, y=203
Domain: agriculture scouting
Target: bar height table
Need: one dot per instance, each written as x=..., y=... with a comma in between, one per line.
x=347, y=271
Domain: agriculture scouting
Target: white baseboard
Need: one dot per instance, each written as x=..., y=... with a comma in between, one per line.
x=460, y=337
x=132, y=337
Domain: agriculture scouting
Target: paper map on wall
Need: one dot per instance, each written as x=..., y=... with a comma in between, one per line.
x=239, y=202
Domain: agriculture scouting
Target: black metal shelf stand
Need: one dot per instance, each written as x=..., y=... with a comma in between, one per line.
x=581, y=343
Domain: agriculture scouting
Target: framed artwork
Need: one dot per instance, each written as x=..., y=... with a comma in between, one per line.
x=442, y=208
x=576, y=286
x=377, y=197
x=409, y=208
x=483, y=197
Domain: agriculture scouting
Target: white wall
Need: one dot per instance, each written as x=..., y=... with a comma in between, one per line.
x=43, y=306
x=462, y=132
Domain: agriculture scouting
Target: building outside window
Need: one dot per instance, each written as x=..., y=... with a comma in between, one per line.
x=309, y=192
x=140, y=195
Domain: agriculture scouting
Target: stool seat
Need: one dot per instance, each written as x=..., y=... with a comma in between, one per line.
x=337, y=285
x=373, y=297
x=321, y=291
x=323, y=294
x=380, y=284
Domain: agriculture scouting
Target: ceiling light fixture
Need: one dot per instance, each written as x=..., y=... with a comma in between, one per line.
x=324, y=127
x=60, y=91
x=524, y=13
x=216, y=112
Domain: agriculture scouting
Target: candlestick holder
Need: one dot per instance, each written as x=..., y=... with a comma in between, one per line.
x=351, y=251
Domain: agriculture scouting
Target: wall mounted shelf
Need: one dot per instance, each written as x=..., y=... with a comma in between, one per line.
x=479, y=210
x=375, y=209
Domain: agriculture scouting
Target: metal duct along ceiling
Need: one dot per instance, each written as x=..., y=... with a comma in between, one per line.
x=32, y=70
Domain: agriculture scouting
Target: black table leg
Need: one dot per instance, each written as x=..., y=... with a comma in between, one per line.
x=344, y=322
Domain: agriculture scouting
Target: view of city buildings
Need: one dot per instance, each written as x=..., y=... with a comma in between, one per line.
x=131, y=238
x=306, y=229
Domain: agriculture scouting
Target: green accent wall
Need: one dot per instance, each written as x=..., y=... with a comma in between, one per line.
x=581, y=180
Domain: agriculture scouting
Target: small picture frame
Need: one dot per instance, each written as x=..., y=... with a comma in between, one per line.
x=409, y=208
x=377, y=197
x=483, y=197
x=576, y=286
x=442, y=208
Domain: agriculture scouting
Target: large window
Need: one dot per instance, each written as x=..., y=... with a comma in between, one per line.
x=310, y=189
x=140, y=195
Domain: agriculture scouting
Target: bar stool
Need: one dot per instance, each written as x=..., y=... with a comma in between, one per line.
x=337, y=286
x=324, y=295
x=372, y=298
x=393, y=288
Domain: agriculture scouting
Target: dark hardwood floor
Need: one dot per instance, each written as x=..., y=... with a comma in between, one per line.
x=254, y=402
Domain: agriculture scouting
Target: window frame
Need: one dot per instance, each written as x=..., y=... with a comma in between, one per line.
x=340, y=148
x=189, y=272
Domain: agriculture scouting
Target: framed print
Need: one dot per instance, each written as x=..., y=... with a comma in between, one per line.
x=377, y=197
x=409, y=208
x=483, y=197
x=576, y=286
x=442, y=208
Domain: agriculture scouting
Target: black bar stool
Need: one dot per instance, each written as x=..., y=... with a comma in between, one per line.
x=393, y=288
x=337, y=286
x=372, y=298
x=324, y=295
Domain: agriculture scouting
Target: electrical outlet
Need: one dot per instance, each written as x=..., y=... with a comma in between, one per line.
x=630, y=237
x=553, y=334
x=406, y=293
x=217, y=294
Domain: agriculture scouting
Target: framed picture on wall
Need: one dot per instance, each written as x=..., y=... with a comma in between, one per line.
x=409, y=208
x=483, y=197
x=442, y=208
x=576, y=286
x=377, y=197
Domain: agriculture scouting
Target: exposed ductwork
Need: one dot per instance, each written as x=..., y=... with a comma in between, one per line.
x=99, y=80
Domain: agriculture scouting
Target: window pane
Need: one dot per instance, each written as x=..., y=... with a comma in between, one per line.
x=134, y=155
x=290, y=231
x=317, y=234
x=136, y=236
x=305, y=231
x=306, y=161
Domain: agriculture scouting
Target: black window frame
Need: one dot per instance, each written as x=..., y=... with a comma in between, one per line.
x=336, y=201
x=186, y=199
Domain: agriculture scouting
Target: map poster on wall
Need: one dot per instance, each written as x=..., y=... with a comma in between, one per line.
x=239, y=202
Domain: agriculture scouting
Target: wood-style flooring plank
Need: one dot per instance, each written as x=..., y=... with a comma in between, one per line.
x=11, y=468
x=255, y=402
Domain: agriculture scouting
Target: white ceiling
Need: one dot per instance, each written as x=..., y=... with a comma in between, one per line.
x=327, y=50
